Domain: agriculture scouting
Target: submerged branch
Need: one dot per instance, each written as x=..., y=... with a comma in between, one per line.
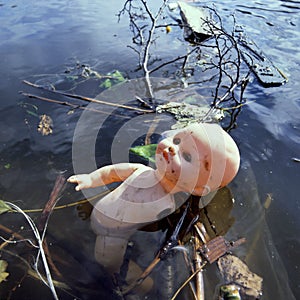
x=185, y=57
x=53, y=199
x=142, y=277
x=88, y=99
x=49, y=281
x=73, y=106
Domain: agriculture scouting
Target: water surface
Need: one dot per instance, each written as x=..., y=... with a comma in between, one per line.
x=41, y=40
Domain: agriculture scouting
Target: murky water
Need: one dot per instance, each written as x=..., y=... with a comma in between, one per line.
x=41, y=40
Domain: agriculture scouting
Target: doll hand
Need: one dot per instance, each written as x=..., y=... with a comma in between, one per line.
x=83, y=181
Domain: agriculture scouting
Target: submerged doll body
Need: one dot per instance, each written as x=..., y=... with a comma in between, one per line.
x=197, y=159
x=139, y=200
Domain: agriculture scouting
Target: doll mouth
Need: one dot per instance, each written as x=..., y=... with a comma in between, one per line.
x=167, y=153
x=166, y=156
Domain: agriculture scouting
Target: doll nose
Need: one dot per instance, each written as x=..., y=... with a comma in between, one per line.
x=167, y=152
x=171, y=150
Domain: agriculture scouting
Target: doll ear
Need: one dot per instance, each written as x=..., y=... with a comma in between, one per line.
x=201, y=191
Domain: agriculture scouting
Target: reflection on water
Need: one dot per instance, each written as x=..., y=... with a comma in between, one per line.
x=46, y=37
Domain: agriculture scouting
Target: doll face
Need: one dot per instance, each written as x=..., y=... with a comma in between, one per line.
x=197, y=159
x=178, y=160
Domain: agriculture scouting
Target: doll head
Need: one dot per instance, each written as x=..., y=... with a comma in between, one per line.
x=197, y=159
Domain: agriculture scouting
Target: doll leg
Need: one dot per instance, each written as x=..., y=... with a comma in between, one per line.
x=109, y=252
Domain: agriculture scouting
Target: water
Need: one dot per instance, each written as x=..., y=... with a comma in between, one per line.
x=41, y=40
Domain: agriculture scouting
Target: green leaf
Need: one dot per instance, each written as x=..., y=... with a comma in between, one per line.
x=106, y=84
x=146, y=151
x=7, y=166
x=118, y=76
x=3, y=274
x=4, y=207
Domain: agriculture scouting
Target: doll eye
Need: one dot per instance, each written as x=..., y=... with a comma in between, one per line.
x=176, y=141
x=187, y=156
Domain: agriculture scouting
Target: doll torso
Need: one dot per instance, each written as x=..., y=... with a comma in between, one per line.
x=139, y=200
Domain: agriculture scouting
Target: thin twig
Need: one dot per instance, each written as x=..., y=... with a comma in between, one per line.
x=49, y=281
x=36, y=210
x=173, y=60
x=12, y=240
x=33, y=274
x=146, y=50
x=73, y=106
x=50, y=260
x=143, y=276
x=14, y=234
x=6, y=242
x=189, y=265
x=188, y=280
x=88, y=99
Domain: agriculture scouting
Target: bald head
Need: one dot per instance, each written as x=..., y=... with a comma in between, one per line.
x=198, y=159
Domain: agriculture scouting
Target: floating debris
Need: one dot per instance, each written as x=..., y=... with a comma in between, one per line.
x=45, y=125
x=186, y=114
x=198, y=22
x=4, y=207
x=217, y=247
x=264, y=69
x=268, y=201
x=113, y=78
x=3, y=273
x=199, y=25
x=7, y=166
x=234, y=271
x=229, y=292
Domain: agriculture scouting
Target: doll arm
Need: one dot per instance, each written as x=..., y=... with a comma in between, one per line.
x=104, y=175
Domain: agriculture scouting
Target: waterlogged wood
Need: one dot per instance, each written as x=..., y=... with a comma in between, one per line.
x=197, y=21
x=264, y=69
x=217, y=247
x=199, y=25
x=53, y=198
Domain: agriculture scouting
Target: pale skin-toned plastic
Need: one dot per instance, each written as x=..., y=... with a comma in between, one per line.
x=198, y=159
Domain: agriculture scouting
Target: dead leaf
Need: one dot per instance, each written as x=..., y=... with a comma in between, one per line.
x=4, y=207
x=45, y=125
x=3, y=273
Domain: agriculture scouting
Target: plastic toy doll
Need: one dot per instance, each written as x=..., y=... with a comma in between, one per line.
x=197, y=159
